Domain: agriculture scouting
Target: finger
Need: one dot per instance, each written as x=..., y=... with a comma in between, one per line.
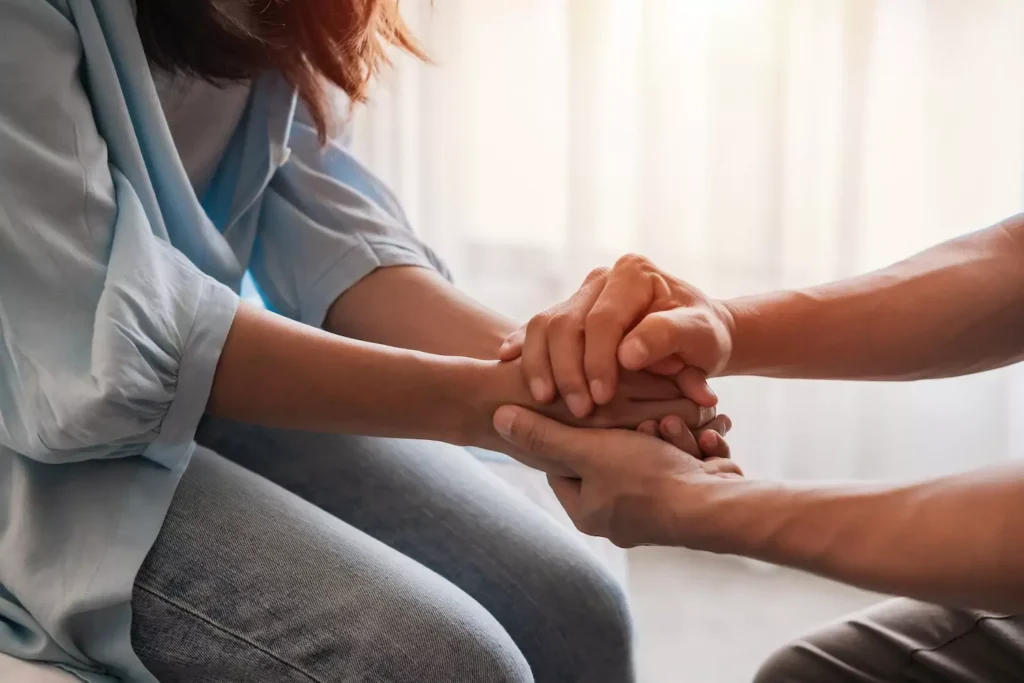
x=650, y=428
x=713, y=445
x=676, y=433
x=512, y=347
x=554, y=442
x=670, y=366
x=646, y=386
x=565, y=344
x=655, y=338
x=567, y=491
x=693, y=382
x=719, y=423
x=635, y=412
x=536, y=362
x=722, y=466
x=625, y=299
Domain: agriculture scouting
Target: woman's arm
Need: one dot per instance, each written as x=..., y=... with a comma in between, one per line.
x=955, y=309
x=415, y=308
x=276, y=372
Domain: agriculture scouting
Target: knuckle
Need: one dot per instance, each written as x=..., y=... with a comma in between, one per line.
x=565, y=322
x=600, y=319
x=598, y=273
x=538, y=322
x=532, y=439
x=632, y=261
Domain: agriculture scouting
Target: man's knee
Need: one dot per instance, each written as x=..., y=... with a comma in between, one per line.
x=793, y=663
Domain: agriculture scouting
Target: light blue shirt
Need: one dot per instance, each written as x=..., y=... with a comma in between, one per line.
x=117, y=289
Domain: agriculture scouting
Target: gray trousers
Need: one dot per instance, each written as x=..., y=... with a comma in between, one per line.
x=292, y=557
x=904, y=641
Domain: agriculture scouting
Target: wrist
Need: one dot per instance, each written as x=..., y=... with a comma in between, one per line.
x=719, y=515
x=740, y=317
x=488, y=385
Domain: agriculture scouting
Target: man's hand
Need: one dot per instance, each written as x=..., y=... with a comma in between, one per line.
x=629, y=487
x=644, y=401
x=634, y=315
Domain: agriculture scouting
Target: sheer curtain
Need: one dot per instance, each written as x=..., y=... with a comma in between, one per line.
x=742, y=144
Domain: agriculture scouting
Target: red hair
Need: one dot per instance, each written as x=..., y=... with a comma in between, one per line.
x=313, y=43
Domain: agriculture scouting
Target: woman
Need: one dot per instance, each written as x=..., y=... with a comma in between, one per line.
x=149, y=157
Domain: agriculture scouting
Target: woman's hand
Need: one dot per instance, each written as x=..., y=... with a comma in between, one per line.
x=643, y=399
x=634, y=315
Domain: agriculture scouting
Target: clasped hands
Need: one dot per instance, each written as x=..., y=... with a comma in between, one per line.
x=632, y=332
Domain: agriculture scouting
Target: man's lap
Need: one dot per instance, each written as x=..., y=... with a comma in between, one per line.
x=906, y=641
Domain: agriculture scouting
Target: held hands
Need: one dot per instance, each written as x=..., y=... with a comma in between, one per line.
x=626, y=486
x=634, y=315
x=644, y=401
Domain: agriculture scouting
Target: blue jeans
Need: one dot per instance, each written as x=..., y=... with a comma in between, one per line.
x=299, y=557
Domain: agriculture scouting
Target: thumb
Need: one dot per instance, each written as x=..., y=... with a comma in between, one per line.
x=553, y=441
x=512, y=347
x=656, y=337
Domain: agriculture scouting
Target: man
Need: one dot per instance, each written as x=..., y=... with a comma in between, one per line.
x=955, y=309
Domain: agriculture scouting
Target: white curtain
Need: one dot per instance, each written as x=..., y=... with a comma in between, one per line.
x=744, y=145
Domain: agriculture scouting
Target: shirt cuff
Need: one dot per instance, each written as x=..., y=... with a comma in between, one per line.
x=214, y=316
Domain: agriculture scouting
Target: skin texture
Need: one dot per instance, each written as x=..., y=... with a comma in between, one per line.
x=951, y=310
x=955, y=309
x=951, y=540
x=276, y=372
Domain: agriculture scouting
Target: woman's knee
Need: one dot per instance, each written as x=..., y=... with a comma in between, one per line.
x=459, y=649
x=582, y=628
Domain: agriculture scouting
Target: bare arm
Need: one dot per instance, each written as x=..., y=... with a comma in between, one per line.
x=955, y=309
x=415, y=308
x=954, y=540
x=276, y=372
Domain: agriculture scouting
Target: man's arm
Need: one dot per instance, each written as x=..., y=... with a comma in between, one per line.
x=955, y=309
x=415, y=308
x=953, y=541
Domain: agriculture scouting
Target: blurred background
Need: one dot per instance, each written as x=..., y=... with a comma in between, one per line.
x=744, y=145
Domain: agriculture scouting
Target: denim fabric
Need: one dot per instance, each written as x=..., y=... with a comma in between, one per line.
x=905, y=641
x=326, y=558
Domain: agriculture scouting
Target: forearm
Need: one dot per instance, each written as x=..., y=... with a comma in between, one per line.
x=951, y=541
x=415, y=308
x=955, y=309
x=275, y=372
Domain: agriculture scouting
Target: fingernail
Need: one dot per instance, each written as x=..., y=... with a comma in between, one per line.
x=712, y=394
x=539, y=389
x=599, y=390
x=578, y=404
x=503, y=419
x=674, y=428
x=634, y=352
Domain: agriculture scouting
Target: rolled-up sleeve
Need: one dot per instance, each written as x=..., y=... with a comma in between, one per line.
x=109, y=337
x=326, y=222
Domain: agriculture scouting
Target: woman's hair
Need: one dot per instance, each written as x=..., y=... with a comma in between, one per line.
x=313, y=43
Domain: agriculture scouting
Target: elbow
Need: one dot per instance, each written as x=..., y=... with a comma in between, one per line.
x=87, y=425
